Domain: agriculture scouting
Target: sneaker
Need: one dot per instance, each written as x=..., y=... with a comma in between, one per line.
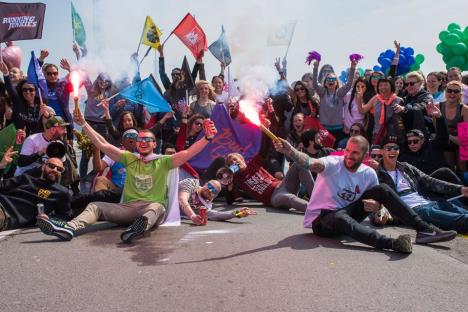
x=137, y=228
x=56, y=227
x=434, y=235
x=403, y=244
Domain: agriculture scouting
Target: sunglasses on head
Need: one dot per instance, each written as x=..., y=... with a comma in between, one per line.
x=52, y=73
x=376, y=156
x=411, y=83
x=392, y=148
x=454, y=91
x=415, y=141
x=55, y=167
x=212, y=189
x=145, y=139
x=28, y=89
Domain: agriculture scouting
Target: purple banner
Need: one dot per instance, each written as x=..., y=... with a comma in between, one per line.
x=232, y=137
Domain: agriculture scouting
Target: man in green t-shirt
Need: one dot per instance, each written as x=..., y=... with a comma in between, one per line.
x=145, y=192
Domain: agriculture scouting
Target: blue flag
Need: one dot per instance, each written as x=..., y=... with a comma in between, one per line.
x=36, y=76
x=220, y=49
x=147, y=93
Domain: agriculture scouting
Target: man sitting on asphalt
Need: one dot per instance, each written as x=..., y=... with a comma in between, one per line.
x=413, y=185
x=145, y=193
x=20, y=195
x=346, y=191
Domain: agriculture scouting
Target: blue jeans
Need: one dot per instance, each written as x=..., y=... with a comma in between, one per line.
x=446, y=215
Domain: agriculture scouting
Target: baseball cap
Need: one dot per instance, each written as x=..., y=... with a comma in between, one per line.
x=390, y=139
x=415, y=132
x=55, y=121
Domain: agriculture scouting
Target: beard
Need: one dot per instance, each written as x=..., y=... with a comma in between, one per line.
x=50, y=177
x=353, y=167
x=318, y=146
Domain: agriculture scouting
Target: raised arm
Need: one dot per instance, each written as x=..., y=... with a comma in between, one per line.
x=318, y=88
x=341, y=92
x=393, y=67
x=162, y=68
x=107, y=148
x=302, y=159
x=364, y=107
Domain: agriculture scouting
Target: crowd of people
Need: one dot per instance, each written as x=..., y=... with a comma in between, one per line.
x=379, y=146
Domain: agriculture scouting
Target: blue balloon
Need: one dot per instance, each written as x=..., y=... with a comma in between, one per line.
x=389, y=54
x=344, y=76
x=402, y=59
x=386, y=62
x=377, y=68
x=411, y=60
x=410, y=51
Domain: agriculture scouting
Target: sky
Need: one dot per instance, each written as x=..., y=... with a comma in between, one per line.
x=334, y=28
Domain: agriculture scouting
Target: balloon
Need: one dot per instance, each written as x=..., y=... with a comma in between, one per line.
x=452, y=39
x=443, y=35
x=12, y=56
x=344, y=76
x=409, y=51
x=414, y=67
x=360, y=71
x=389, y=54
x=453, y=26
x=386, y=62
x=445, y=49
x=377, y=68
x=457, y=61
x=419, y=59
x=446, y=58
x=459, y=48
x=459, y=33
x=402, y=59
x=465, y=33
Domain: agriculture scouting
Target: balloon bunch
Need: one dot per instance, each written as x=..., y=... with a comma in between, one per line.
x=454, y=46
x=12, y=55
x=344, y=74
x=407, y=61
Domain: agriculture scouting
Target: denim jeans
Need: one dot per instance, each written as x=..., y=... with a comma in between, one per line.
x=446, y=215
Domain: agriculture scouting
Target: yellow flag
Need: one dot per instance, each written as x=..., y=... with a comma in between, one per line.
x=151, y=34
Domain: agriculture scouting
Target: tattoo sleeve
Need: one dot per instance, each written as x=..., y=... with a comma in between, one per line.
x=299, y=158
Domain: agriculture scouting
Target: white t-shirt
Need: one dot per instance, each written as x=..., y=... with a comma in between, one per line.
x=336, y=187
x=412, y=199
x=33, y=144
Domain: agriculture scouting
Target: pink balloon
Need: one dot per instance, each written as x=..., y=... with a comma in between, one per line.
x=12, y=56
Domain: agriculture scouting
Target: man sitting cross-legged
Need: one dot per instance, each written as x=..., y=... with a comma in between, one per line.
x=145, y=191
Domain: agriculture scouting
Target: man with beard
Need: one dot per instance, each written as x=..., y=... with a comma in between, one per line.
x=346, y=191
x=20, y=195
x=145, y=195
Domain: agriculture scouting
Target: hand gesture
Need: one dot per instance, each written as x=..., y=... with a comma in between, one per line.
x=371, y=205
x=397, y=47
x=64, y=64
x=200, y=57
x=7, y=157
x=433, y=110
x=43, y=55
x=167, y=116
x=277, y=64
x=4, y=69
x=78, y=118
x=282, y=146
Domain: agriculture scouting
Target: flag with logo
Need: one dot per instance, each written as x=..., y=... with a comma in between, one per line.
x=151, y=35
x=36, y=76
x=220, y=48
x=282, y=35
x=192, y=35
x=21, y=21
x=79, y=32
x=147, y=93
x=232, y=137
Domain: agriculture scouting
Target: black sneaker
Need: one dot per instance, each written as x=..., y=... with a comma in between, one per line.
x=434, y=235
x=56, y=228
x=137, y=228
x=403, y=244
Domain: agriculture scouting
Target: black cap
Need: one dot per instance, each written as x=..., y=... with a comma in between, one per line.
x=390, y=139
x=416, y=133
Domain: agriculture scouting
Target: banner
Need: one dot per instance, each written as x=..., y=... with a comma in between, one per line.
x=36, y=76
x=220, y=49
x=232, y=137
x=147, y=93
x=282, y=35
x=463, y=137
x=190, y=84
x=151, y=35
x=21, y=21
x=192, y=35
x=79, y=32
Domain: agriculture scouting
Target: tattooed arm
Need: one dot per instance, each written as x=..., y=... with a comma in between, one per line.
x=302, y=159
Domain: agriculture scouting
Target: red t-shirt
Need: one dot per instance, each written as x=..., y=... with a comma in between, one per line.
x=256, y=181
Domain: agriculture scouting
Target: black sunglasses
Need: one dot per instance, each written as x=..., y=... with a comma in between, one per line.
x=378, y=156
x=390, y=148
x=411, y=83
x=55, y=167
x=455, y=91
x=415, y=141
x=52, y=73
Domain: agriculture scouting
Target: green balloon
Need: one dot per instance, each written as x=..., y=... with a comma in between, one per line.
x=459, y=33
x=419, y=59
x=361, y=71
x=415, y=66
x=453, y=26
x=446, y=58
x=445, y=49
x=465, y=33
x=459, y=48
x=443, y=35
x=439, y=48
x=452, y=39
x=458, y=61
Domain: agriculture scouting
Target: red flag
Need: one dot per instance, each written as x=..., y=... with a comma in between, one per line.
x=192, y=35
x=328, y=139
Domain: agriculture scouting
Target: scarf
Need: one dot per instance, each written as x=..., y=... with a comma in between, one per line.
x=385, y=103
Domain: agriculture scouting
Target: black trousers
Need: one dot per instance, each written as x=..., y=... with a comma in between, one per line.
x=348, y=220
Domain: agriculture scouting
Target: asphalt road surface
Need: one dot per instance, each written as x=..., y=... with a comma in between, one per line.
x=266, y=262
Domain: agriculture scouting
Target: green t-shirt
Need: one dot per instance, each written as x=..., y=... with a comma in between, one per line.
x=145, y=181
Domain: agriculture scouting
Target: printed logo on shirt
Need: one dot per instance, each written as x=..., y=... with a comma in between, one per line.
x=347, y=195
x=143, y=182
x=257, y=183
x=43, y=193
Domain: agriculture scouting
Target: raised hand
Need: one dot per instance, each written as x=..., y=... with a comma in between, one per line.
x=64, y=64
x=7, y=157
x=43, y=55
x=4, y=69
x=78, y=118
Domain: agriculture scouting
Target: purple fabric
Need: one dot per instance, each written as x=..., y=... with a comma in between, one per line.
x=313, y=55
x=232, y=137
x=355, y=57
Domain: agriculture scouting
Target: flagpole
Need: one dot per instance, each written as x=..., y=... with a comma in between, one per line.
x=146, y=54
x=167, y=38
x=1, y=53
x=290, y=40
x=141, y=36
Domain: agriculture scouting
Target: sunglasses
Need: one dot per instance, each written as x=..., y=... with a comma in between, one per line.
x=376, y=156
x=411, y=142
x=212, y=189
x=392, y=148
x=330, y=79
x=55, y=167
x=52, y=73
x=145, y=139
x=411, y=83
x=197, y=123
x=454, y=91
x=377, y=77
x=299, y=89
x=28, y=89
x=131, y=136
x=175, y=74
